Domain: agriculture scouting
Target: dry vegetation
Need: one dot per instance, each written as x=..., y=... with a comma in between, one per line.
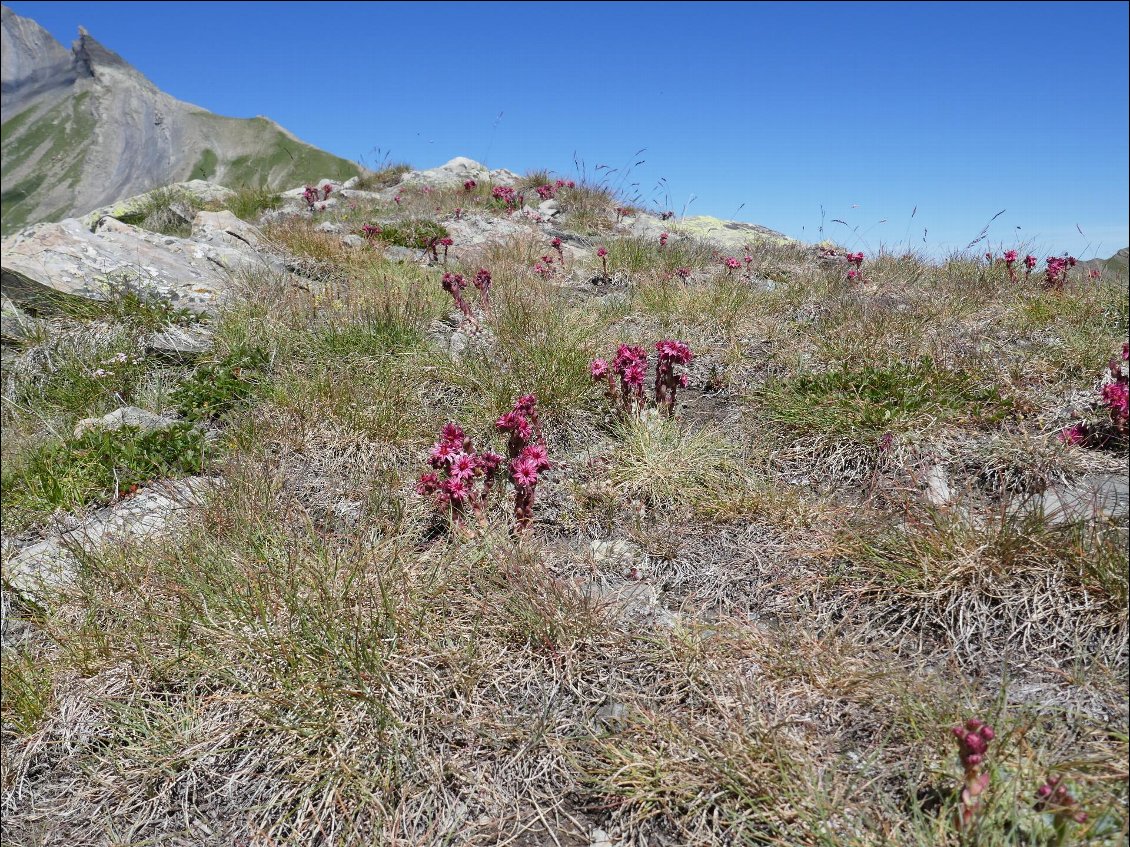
x=774, y=654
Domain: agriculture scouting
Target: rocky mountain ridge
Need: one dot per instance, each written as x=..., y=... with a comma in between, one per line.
x=82, y=128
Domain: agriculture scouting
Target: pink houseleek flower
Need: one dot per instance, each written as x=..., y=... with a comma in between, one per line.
x=731, y=263
x=460, y=478
x=602, y=254
x=454, y=284
x=852, y=275
x=1075, y=434
x=1010, y=257
x=683, y=273
x=666, y=216
x=1056, y=272
x=526, y=450
x=1029, y=265
x=370, y=231
x=663, y=236
x=482, y=281
x=670, y=373
x=855, y=259
x=973, y=744
x=545, y=192
x=327, y=190
x=310, y=195
x=469, y=185
x=1054, y=798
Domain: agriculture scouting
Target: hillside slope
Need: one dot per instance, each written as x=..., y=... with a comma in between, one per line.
x=82, y=129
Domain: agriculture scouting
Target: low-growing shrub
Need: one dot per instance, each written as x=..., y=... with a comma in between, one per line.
x=216, y=388
x=98, y=466
x=416, y=233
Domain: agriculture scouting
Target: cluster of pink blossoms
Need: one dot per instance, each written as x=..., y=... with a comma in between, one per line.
x=311, y=195
x=663, y=236
x=507, y=196
x=458, y=469
x=463, y=479
x=1055, y=275
x=370, y=231
x=1054, y=797
x=666, y=216
x=731, y=263
x=526, y=451
x=544, y=266
x=624, y=377
x=1010, y=257
x=454, y=284
x=470, y=185
x=1114, y=397
x=973, y=743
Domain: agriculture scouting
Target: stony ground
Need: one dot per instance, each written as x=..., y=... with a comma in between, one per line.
x=229, y=618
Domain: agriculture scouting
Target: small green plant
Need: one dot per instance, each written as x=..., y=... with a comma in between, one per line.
x=168, y=211
x=216, y=388
x=386, y=176
x=417, y=233
x=98, y=466
x=866, y=403
x=136, y=308
x=249, y=202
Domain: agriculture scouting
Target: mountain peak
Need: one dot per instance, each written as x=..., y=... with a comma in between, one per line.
x=90, y=54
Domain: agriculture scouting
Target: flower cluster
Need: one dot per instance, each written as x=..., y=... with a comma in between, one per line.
x=525, y=448
x=666, y=216
x=731, y=263
x=109, y=366
x=470, y=185
x=623, y=212
x=670, y=373
x=1114, y=399
x=506, y=195
x=370, y=231
x=683, y=273
x=624, y=376
x=1055, y=798
x=455, y=483
x=663, y=236
x=973, y=743
x=482, y=281
x=454, y=284
x=1055, y=275
x=545, y=192
x=602, y=254
x=544, y=266
x=1010, y=257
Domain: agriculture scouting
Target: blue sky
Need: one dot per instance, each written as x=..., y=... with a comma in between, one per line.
x=866, y=110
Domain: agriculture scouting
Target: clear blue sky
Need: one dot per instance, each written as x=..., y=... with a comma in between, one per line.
x=868, y=110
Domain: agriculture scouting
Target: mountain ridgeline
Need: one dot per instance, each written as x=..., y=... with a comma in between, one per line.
x=81, y=128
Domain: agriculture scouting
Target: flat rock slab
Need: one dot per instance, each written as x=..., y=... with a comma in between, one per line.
x=39, y=570
x=65, y=259
x=1104, y=496
x=725, y=235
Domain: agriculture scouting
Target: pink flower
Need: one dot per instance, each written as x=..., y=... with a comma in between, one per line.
x=731, y=263
x=442, y=454
x=683, y=273
x=1116, y=395
x=663, y=239
x=469, y=185
x=545, y=192
x=427, y=484
x=855, y=259
x=1010, y=257
x=852, y=274
x=456, y=489
x=463, y=466
x=452, y=433
x=633, y=375
x=396, y=199
x=1075, y=434
x=556, y=244
x=327, y=190
x=537, y=454
x=598, y=369
x=601, y=252
x=524, y=472
x=482, y=280
x=1030, y=262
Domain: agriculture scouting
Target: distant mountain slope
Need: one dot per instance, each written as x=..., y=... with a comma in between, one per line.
x=81, y=128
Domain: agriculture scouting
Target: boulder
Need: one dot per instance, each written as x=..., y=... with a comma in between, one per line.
x=49, y=261
x=198, y=190
x=15, y=324
x=725, y=235
x=144, y=420
x=180, y=343
x=225, y=228
x=37, y=571
x=456, y=172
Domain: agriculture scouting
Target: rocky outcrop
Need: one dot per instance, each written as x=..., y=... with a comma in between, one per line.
x=68, y=259
x=82, y=129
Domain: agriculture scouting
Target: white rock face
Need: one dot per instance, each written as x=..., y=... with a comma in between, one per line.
x=38, y=571
x=144, y=420
x=455, y=173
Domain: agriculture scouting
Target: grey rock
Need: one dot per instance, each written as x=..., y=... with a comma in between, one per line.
x=225, y=228
x=353, y=241
x=144, y=420
x=548, y=208
x=351, y=182
x=615, y=554
x=401, y=255
x=181, y=343
x=1105, y=496
x=36, y=572
x=451, y=174
x=328, y=226
x=938, y=490
x=50, y=261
